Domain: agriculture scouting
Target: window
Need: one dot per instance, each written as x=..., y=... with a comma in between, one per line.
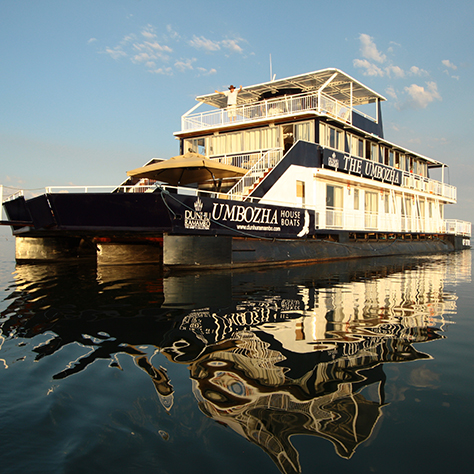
x=270, y=138
x=234, y=143
x=408, y=206
x=298, y=131
x=401, y=161
x=303, y=131
x=195, y=145
x=357, y=146
x=336, y=139
x=374, y=150
x=219, y=145
x=371, y=209
x=422, y=208
x=323, y=133
x=334, y=205
x=384, y=155
x=241, y=142
x=356, y=200
x=391, y=161
x=300, y=192
x=252, y=140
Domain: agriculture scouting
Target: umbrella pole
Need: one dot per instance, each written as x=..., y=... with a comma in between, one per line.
x=180, y=177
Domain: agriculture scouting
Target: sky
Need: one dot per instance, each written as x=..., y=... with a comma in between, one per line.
x=92, y=88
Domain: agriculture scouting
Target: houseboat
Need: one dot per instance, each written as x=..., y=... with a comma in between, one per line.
x=298, y=171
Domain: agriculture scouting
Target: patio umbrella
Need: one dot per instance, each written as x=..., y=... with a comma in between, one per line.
x=186, y=169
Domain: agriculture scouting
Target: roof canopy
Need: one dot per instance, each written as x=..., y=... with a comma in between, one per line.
x=333, y=82
x=186, y=169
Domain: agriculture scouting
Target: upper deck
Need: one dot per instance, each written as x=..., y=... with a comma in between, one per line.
x=327, y=92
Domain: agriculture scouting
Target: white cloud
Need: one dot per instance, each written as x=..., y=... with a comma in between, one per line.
x=232, y=45
x=115, y=53
x=142, y=58
x=370, y=69
x=448, y=63
x=183, y=65
x=369, y=49
x=157, y=47
x=168, y=71
x=209, y=45
x=395, y=71
x=171, y=33
x=390, y=91
x=206, y=72
x=92, y=40
x=157, y=55
x=148, y=34
x=416, y=71
x=419, y=97
x=204, y=43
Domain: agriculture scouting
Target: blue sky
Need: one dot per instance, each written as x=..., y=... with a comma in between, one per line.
x=92, y=88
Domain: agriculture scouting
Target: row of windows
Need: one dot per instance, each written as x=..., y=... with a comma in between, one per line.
x=251, y=140
x=356, y=146
x=335, y=200
x=284, y=136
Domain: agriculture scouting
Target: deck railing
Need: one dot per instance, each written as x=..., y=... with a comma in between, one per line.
x=271, y=108
x=454, y=226
x=256, y=172
x=427, y=185
x=338, y=219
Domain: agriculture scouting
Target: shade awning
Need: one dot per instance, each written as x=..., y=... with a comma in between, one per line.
x=333, y=82
x=187, y=169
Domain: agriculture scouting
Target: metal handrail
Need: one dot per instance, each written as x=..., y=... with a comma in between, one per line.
x=427, y=185
x=457, y=227
x=266, y=162
x=271, y=108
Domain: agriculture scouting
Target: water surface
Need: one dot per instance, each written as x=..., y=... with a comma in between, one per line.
x=364, y=366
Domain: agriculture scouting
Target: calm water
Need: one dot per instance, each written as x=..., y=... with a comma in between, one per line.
x=362, y=366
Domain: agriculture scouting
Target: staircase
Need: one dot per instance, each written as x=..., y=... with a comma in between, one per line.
x=256, y=174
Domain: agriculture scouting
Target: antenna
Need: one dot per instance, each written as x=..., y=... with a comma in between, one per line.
x=272, y=76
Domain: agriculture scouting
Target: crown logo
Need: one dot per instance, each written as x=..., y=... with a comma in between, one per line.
x=198, y=205
x=333, y=161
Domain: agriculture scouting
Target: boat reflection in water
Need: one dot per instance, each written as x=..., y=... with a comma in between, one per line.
x=272, y=354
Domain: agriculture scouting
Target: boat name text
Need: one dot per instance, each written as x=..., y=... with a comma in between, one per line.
x=255, y=215
x=359, y=166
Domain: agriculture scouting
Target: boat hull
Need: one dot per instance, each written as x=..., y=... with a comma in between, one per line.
x=182, y=231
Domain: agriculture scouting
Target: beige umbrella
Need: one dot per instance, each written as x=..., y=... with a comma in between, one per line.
x=186, y=169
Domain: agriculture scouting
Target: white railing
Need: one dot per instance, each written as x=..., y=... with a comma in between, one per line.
x=365, y=221
x=101, y=189
x=257, y=171
x=265, y=109
x=456, y=227
x=334, y=218
x=11, y=197
x=241, y=160
x=427, y=185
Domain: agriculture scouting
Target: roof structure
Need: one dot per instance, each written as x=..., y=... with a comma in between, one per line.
x=333, y=82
